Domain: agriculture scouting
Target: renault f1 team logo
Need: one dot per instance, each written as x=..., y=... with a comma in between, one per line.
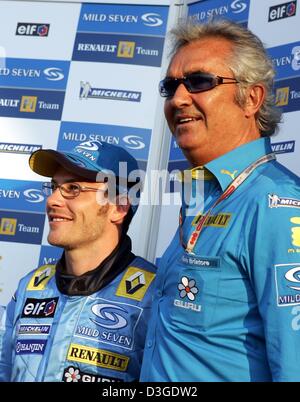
x=8, y=226
x=282, y=96
x=126, y=49
x=28, y=104
x=287, y=278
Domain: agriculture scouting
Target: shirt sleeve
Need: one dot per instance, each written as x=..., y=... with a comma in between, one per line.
x=6, y=329
x=273, y=262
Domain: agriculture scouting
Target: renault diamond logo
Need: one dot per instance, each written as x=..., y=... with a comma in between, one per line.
x=135, y=282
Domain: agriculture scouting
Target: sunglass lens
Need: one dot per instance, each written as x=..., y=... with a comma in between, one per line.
x=167, y=87
x=200, y=82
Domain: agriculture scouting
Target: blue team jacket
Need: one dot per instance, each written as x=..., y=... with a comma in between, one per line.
x=49, y=336
x=231, y=310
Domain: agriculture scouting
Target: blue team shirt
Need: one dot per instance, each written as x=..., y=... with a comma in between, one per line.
x=49, y=336
x=231, y=310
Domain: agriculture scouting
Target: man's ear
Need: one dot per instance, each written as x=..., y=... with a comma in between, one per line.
x=255, y=97
x=120, y=209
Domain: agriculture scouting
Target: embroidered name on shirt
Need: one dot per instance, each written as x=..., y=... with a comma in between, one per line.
x=200, y=262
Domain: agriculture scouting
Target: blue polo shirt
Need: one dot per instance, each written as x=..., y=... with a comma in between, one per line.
x=231, y=310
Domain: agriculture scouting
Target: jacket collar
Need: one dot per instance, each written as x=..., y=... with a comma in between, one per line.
x=97, y=278
x=228, y=166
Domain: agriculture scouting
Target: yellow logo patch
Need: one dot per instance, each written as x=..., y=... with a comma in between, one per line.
x=218, y=221
x=41, y=277
x=135, y=283
x=97, y=357
x=296, y=231
x=8, y=226
x=28, y=104
x=126, y=49
x=282, y=96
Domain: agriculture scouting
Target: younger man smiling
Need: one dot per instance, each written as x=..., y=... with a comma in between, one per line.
x=85, y=318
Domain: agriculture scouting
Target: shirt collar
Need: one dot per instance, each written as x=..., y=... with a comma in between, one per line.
x=96, y=279
x=196, y=173
x=228, y=166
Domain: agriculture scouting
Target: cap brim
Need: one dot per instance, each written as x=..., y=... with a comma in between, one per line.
x=45, y=162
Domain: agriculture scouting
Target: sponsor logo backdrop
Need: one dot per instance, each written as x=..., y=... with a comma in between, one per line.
x=72, y=72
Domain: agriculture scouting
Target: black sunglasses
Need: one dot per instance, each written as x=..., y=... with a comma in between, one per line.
x=194, y=82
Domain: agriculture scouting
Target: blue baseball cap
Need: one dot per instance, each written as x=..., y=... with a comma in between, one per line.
x=90, y=160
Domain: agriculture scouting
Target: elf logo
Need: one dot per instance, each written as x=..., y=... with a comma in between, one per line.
x=29, y=29
x=39, y=308
x=281, y=11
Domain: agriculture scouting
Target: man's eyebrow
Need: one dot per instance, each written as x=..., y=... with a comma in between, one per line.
x=189, y=72
x=66, y=181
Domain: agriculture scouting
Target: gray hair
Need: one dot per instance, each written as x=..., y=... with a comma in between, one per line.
x=249, y=63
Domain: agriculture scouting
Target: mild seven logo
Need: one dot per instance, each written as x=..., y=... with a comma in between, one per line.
x=238, y=6
x=152, y=19
x=109, y=316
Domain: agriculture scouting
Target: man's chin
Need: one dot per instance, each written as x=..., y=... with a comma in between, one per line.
x=56, y=242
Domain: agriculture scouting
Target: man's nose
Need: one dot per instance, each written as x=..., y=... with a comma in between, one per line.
x=181, y=97
x=55, y=199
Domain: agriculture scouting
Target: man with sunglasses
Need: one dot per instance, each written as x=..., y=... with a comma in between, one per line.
x=227, y=297
x=83, y=320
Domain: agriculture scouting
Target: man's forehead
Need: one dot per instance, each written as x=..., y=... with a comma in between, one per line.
x=63, y=174
x=201, y=55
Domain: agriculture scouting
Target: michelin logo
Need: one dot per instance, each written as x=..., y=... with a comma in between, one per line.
x=280, y=202
x=283, y=147
x=19, y=148
x=86, y=91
